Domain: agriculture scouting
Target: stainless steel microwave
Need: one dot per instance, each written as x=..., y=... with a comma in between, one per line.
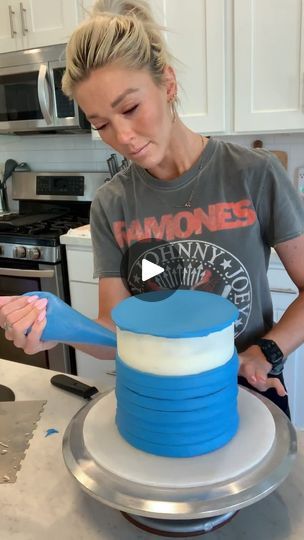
x=31, y=99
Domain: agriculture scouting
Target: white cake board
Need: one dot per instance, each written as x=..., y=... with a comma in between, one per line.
x=250, y=445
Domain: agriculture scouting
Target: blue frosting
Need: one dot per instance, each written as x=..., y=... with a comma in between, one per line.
x=187, y=428
x=65, y=324
x=131, y=398
x=182, y=314
x=177, y=438
x=185, y=416
x=186, y=450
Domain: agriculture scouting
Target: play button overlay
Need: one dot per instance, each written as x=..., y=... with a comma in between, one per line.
x=150, y=270
x=152, y=265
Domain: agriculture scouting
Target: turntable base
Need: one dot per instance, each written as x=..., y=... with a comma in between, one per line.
x=189, y=506
x=113, y=453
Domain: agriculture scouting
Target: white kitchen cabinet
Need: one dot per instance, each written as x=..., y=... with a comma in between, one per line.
x=36, y=23
x=196, y=37
x=86, y=6
x=269, y=65
x=84, y=298
x=240, y=63
x=283, y=293
x=10, y=26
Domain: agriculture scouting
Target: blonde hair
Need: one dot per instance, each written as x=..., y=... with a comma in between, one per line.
x=118, y=31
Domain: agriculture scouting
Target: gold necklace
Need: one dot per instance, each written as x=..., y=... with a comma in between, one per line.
x=188, y=203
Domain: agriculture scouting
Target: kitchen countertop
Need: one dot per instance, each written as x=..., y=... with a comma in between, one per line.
x=46, y=502
x=81, y=236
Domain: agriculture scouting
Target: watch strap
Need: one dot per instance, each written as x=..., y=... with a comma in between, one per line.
x=273, y=354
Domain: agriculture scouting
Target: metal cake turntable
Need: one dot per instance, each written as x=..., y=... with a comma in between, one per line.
x=180, y=497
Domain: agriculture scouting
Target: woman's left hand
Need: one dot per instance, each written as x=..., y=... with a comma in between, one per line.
x=254, y=367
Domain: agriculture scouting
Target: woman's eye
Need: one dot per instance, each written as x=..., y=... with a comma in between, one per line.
x=131, y=110
x=128, y=111
x=99, y=128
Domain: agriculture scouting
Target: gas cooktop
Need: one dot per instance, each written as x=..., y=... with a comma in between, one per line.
x=35, y=237
x=40, y=228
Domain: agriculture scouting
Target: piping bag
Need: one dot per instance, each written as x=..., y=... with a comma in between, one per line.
x=66, y=325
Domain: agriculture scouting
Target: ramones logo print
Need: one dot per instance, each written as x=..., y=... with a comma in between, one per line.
x=197, y=265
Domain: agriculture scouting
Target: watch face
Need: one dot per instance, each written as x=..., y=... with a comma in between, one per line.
x=273, y=355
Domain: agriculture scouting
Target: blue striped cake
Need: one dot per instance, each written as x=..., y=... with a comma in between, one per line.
x=176, y=369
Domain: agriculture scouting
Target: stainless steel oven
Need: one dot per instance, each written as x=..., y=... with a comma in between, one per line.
x=31, y=99
x=31, y=256
x=18, y=277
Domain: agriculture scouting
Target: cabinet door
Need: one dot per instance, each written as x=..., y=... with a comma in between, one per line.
x=84, y=298
x=80, y=264
x=47, y=23
x=196, y=38
x=269, y=65
x=85, y=8
x=10, y=29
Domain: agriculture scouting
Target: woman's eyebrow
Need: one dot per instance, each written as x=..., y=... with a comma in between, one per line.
x=123, y=95
x=115, y=102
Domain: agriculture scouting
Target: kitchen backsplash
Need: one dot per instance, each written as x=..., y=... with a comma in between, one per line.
x=81, y=153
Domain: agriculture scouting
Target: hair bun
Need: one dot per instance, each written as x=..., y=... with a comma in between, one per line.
x=117, y=30
x=140, y=8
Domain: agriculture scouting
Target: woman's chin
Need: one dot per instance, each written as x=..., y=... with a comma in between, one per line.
x=147, y=162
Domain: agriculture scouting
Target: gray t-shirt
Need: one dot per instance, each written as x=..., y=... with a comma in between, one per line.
x=242, y=204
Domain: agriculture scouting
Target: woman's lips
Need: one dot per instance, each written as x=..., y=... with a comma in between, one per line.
x=140, y=151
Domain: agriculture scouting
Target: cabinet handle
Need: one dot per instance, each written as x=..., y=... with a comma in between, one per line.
x=303, y=92
x=283, y=291
x=23, y=19
x=11, y=15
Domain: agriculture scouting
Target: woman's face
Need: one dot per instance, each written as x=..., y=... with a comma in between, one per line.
x=130, y=111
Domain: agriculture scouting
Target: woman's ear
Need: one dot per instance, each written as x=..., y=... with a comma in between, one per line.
x=170, y=83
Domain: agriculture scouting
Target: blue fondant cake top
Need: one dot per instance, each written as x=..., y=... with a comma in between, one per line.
x=181, y=314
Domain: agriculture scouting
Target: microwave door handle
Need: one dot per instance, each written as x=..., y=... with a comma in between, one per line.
x=42, y=94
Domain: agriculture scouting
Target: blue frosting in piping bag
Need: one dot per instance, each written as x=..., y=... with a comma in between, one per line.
x=66, y=325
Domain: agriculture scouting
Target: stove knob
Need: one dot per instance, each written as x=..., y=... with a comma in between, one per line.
x=20, y=252
x=34, y=253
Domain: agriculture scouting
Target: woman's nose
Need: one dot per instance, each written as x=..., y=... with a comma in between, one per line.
x=124, y=133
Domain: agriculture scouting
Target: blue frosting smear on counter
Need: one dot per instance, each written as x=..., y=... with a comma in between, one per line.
x=182, y=314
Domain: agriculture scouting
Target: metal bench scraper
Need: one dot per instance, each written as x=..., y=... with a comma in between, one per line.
x=18, y=420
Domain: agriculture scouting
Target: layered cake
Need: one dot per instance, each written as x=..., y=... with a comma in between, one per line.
x=176, y=370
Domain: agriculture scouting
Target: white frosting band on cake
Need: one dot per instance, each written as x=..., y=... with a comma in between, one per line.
x=175, y=356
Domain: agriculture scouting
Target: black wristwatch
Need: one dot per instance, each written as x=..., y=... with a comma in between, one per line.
x=273, y=354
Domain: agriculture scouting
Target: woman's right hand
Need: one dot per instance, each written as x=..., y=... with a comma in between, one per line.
x=18, y=314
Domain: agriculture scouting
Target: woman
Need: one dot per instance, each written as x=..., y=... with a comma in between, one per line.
x=215, y=208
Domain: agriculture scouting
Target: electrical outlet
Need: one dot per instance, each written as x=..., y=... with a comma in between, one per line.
x=300, y=180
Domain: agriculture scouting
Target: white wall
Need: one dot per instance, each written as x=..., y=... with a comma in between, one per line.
x=55, y=152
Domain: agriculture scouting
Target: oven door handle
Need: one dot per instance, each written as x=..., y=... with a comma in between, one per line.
x=20, y=272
